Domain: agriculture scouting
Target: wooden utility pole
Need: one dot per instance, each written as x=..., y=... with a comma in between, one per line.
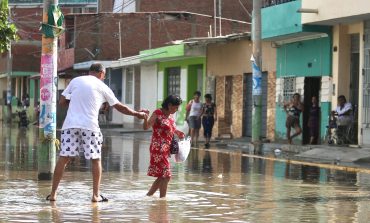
x=257, y=74
x=48, y=91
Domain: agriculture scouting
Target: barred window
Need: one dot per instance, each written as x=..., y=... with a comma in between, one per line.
x=173, y=86
x=289, y=88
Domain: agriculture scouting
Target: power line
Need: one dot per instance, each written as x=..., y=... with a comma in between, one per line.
x=245, y=9
x=123, y=6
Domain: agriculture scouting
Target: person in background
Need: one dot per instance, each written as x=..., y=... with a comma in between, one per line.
x=164, y=129
x=294, y=108
x=209, y=116
x=193, y=113
x=344, y=111
x=314, y=121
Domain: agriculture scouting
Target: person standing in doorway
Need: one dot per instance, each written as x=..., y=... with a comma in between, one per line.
x=294, y=108
x=209, y=116
x=80, y=131
x=314, y=121
x=164, y=129
x=193, y=113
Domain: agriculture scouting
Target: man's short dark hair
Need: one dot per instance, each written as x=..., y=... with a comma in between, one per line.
x=342, y=97
x=97, y=67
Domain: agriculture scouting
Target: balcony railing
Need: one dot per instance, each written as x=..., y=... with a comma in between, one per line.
x=268, y=3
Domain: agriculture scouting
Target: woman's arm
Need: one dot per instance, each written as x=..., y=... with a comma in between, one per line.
x=148, y=123
x=180, y=134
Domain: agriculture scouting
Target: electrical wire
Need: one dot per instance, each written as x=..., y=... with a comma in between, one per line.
x=245, y=9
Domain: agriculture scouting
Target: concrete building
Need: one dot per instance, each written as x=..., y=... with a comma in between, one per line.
x=350, y=23
x=26, y=53
x=303, y=65
x=230, y=68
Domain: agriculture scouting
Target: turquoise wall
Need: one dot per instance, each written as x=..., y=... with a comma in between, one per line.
x=305, y=58
x=281, y=19
x=280, y=129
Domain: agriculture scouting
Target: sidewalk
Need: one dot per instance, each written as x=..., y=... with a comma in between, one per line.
x=347, y=156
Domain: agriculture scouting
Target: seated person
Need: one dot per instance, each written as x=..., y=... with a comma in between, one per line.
x=344, y=112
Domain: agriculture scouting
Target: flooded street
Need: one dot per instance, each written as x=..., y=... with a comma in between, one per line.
x=212, y=185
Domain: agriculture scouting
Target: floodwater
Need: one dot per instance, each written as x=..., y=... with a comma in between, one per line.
x=212, y=186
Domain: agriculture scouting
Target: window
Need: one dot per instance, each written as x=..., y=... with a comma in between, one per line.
x=129, y=88
x=289, y=88
x=174, y=76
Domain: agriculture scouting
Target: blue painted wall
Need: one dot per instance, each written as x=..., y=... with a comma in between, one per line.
x=280, y=20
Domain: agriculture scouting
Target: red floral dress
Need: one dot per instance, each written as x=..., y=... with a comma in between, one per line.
x=163, y=131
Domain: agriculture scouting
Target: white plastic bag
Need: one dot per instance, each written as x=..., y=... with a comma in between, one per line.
x=184, y=150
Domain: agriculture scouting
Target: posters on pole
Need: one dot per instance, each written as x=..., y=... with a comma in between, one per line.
x=47, y=116
x=257, y=78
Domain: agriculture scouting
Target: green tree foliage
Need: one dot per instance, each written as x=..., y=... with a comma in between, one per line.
x=8, y=31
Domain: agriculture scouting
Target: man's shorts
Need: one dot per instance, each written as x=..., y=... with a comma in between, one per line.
x=74, y=141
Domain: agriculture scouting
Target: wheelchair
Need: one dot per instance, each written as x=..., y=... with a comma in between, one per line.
x=339, y=134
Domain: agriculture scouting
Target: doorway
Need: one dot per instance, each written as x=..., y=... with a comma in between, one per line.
x=354, y=81
x=312, y=86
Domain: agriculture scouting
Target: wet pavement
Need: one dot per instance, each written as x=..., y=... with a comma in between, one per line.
x=213, y=185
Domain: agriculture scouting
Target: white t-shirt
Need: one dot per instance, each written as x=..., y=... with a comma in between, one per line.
x=196, y=109
x=86, y=95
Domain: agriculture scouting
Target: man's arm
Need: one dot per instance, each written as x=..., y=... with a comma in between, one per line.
x=346, y=110
x=128, y=111
x=63, y=101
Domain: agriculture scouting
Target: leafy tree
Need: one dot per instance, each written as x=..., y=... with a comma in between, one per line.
x=8, y=31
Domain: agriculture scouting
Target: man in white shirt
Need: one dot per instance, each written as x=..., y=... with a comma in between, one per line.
x=80, y=132
x=344, y=112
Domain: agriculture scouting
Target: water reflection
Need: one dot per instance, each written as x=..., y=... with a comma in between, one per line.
x=214, y=186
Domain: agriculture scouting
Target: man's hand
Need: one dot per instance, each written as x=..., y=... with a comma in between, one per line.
x=142, y=115
x=145, y=111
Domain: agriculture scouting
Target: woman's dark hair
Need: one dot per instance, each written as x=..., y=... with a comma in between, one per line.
x=296, y=94
x=173, y=100
x=197, y=93
x=209, y=96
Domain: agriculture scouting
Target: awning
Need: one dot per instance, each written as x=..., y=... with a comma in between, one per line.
x=122, y=62
x=19, y=74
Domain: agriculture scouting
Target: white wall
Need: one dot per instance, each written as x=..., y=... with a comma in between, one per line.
x=125, y=6
x=149, y=87
x=334, y=9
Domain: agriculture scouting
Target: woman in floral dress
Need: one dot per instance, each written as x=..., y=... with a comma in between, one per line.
x=164, y=128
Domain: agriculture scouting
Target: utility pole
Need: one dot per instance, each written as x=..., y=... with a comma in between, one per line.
x=150, y=31
x=215, y=17
x=48, y=90
x=257, y=74
x=220, y=14
x=120, y=39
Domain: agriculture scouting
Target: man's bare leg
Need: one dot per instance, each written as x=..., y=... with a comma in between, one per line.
x=58, y=174
x=96, y=173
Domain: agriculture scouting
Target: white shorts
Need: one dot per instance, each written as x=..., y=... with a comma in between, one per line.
x=77, y=140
